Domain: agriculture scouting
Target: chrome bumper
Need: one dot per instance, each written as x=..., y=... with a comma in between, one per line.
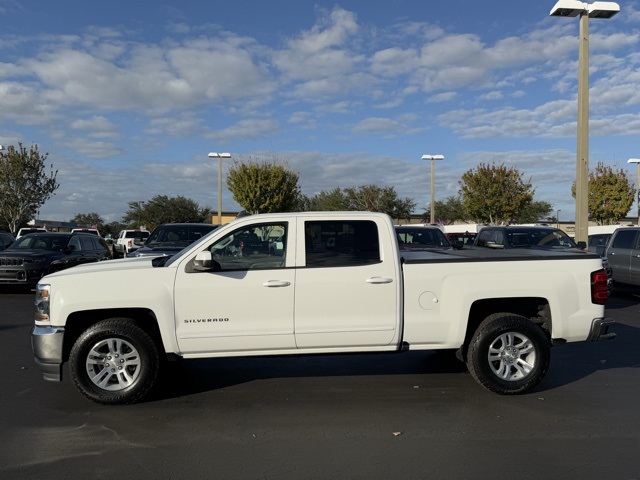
x=46, y=343
x=600, y=330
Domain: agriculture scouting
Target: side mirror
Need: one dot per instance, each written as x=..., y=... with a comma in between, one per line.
x=494, y=245
x=204, y=262
x=582, y=245
x=70, y=249
x=457, y=244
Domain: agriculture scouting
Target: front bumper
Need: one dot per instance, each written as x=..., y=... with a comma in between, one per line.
x=46, y=343
x=600, y=330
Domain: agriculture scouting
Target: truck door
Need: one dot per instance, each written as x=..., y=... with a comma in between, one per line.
x=346, y=295
x=248, y=304
x=619, y=254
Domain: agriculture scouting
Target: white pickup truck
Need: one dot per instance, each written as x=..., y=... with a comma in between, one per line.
x=309, y=283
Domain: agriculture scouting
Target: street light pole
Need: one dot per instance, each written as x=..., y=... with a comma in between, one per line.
x=637, y=162
x=219, y=156
x=140, y=205
x=558, y=218
x=433, y=185
x=573, y=8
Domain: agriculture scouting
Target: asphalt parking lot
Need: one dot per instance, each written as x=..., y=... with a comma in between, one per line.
x=415, y=415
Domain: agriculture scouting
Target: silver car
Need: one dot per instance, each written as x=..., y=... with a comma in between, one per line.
x=623, y=253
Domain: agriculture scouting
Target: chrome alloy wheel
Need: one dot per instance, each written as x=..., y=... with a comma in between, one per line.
x=113, y=364
x=512, y=356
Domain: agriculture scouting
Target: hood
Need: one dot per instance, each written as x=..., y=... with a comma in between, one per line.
x=106, y=266
x=27, y=254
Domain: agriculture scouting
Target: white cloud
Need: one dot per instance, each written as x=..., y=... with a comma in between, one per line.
x=249, y=128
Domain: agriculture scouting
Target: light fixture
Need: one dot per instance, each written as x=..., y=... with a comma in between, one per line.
x=574, y=8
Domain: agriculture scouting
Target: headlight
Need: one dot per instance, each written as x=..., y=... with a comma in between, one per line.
x=43, y=296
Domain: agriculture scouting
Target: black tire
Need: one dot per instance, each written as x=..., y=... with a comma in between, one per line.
x=114, y=362
x=508, y=354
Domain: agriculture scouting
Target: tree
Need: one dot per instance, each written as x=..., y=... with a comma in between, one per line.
x=24, y=184
x=534, y=213
x=264, y=187
x=610, y=194
x=495, y=194
x=162, y=209
x=373, y=198
x=332, y=201
x=448, y=211
x=370, y=198
x=113, y=228
x=88, y=219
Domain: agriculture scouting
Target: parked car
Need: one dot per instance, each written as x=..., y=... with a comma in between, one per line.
x=129, y=241
x=420, y=237
x=32, y=256
x=623, y=255
x=26, y=230
x=170, y=238
x=517, y=236
x=6, y=239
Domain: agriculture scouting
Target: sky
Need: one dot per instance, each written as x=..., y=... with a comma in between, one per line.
x=128, y=98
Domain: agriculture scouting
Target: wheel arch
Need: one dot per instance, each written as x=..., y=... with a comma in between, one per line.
x=78, y=322
x=536, y=309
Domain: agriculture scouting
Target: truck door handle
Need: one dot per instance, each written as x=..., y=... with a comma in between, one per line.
x=378, y=280
x=276, y=283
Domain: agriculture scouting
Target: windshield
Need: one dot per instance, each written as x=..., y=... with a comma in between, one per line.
x=417, y=238
x=136, y=234
x=176, y=235
x=172, y=259
x=54, y=243
x=540, y=238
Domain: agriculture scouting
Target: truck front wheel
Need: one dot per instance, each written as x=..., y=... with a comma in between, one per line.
x=508, y=354
x=114, y=362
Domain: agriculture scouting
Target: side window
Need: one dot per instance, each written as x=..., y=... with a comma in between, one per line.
x=484, y=237
x=257, y=246
x=99, y=244
x=87, y=243
x=623, y=239
x=341, y=243
x=74, y=242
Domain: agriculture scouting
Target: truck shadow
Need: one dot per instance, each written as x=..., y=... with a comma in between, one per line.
x=189, y=377
x=569, y=363
x=575, y=361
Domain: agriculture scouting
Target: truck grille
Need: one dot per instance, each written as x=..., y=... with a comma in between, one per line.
x=11, y=262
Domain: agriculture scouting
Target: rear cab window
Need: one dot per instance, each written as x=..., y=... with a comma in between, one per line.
x=341, y=243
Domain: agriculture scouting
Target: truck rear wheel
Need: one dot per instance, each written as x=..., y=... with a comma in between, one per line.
x=114, y=362
x=508, y=354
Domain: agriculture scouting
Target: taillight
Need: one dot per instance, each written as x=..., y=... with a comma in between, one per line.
x=599, y=287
